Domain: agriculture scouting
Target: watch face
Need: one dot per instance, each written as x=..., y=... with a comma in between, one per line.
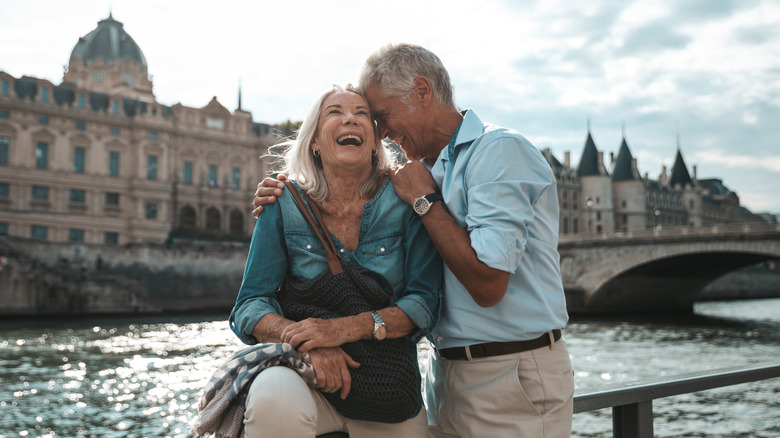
x=421, y=206
x=380, y=331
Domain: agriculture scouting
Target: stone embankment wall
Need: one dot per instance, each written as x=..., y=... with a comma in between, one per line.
x=43, y=278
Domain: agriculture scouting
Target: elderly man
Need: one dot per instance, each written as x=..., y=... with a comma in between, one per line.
x=499, y=367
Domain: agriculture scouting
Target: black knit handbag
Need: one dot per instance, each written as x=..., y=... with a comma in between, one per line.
x=386, y=386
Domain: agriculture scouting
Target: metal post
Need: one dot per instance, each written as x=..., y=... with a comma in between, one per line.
x=633, y=421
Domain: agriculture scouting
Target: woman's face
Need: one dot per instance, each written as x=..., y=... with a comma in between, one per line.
x=345, y=133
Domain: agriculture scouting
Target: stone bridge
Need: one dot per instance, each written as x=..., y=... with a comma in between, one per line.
x=652, y=270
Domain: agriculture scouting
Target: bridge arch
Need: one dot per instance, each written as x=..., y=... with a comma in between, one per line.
x=657, y=271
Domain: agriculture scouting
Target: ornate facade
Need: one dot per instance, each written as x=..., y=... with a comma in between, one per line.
x=96, y=159
x=595, y=199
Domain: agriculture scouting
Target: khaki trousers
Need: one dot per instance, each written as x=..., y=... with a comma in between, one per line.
x=280, y=404
x=521, y=395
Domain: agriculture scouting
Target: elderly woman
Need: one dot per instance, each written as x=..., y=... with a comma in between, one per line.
x=339, y=162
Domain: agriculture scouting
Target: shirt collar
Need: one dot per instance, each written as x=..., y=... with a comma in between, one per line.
x=469, y=129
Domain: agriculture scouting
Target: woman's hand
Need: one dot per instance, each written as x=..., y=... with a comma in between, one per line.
x=314, y=333
x=266, y=193
x=331, y=366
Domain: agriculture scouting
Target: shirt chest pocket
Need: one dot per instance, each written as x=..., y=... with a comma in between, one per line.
x=306, y=256
x=385, y=255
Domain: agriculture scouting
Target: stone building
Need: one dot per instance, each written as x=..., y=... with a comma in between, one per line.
x=595, y=199
x=97, y=159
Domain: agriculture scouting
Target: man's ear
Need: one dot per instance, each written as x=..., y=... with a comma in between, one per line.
x=423, y=90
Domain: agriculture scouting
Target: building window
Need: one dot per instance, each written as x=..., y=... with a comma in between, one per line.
x=188, y=173
x=44, y=94
x=213, y=176
x=4, y=114
x=151, y=211
x=39, y=232
x=40, y=193
x=4, y=189
x=4, y=146
x=79, y=155
x=112, y=199
x=81, y=126
x=76, y=235
x=43, y=120
x=42, y=155
x=111, y=238
x=113, y=164
x=151, y=168
x=115, y=107
x=77, y=196
x=690, y=202
x=80, y=101
x=114, y=131
x=152, y=135
x=215, y=123
x=3, y=228
x=98, y=76
x=236, y=183
x=6, y=88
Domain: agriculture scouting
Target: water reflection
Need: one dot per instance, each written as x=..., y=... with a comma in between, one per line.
x=132, y=377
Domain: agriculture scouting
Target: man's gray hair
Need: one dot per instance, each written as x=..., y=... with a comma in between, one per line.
x=395, y=67
x=298, y=162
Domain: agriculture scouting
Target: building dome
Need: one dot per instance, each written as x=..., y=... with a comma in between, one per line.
x=108, y=42
x=107, y=60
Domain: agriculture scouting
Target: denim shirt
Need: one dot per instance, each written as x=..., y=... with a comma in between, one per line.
x=392, y=242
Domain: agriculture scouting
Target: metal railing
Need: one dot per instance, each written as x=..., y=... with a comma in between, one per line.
x=721, y=229
x=632, y=406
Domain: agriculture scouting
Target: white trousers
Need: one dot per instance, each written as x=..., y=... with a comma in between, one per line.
x=521, y=395
x=280, y=404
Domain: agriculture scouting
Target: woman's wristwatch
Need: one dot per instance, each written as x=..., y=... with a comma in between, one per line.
x=380, y=328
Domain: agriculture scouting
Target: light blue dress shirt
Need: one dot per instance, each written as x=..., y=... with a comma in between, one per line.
x=499, y=188
x=392, y=242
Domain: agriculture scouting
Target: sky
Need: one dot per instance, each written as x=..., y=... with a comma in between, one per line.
x=704, y=74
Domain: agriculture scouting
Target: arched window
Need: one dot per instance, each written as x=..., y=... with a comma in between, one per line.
x=236, y=223
x=213, y=219
x=187, y=217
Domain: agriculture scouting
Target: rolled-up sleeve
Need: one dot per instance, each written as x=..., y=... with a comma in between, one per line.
x=504, y=183
x=266, y=267
x=423, y=270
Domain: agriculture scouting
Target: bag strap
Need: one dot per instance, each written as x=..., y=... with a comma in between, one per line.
x=333, y=257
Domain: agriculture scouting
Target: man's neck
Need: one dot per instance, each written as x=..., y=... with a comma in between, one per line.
x=446, y=126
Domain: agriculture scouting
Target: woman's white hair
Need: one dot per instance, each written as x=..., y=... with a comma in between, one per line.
x=298, y=162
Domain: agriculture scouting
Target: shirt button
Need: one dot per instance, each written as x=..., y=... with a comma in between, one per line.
x=341, y=250
x=308, y=246
x=439, y=339
x=381, y=250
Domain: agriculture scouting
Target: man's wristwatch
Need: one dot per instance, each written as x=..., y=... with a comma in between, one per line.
x=380, y=328
x=423, y=204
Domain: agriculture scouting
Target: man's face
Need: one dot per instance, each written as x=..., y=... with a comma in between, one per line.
x=401, y=123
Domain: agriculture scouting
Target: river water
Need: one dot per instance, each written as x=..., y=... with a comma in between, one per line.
x=141, y=377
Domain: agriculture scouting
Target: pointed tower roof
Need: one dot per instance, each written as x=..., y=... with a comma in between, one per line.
x=622, y=166
x=589, y=160
x=680, y=173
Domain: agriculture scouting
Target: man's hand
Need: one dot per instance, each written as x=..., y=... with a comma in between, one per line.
x=331, y=366
x=412, y=180
x=266, y=193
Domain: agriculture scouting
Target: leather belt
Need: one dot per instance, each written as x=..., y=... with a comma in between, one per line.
x=490, y=349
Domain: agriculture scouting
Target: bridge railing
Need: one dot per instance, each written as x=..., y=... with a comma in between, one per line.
x=632, y=406
x=721, y=229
